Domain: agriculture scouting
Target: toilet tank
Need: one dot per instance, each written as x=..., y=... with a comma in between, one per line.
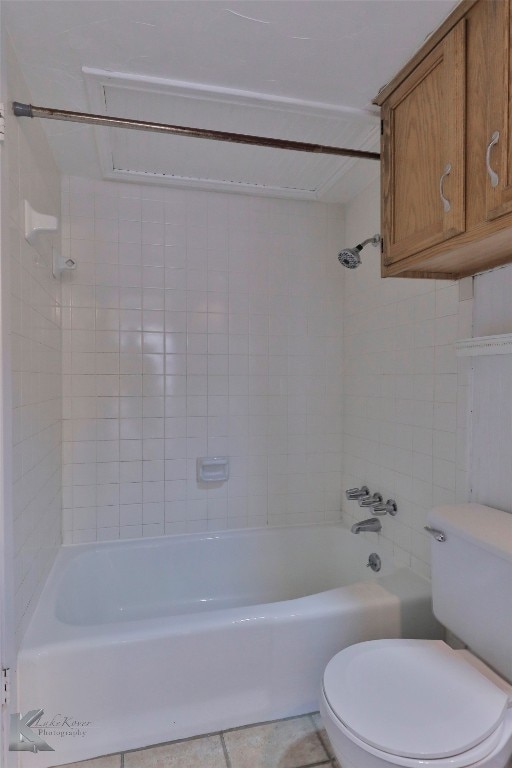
x=472, y=579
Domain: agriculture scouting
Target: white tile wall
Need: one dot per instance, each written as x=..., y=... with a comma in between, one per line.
x=492, y=306
x=198, y=324
x=491, y=453
x=404, y=391
x=34, y=358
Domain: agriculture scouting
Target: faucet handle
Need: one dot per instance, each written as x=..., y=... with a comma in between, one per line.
x=389, y=508
x=357, y=493
x=370, y=500
x=436, y=533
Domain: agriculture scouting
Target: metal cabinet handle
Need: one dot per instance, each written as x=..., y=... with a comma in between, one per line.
x=493, y=176
x=436, y=533
x=446, y=203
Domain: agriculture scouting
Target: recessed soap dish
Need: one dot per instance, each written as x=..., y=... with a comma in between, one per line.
x=214, y=469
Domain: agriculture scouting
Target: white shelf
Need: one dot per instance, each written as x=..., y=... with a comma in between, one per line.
x=36, y=223
x=500, y=344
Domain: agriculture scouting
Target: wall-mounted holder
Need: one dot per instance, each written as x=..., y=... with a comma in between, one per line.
x=213, y=469
x=61, y=264
x=36, y=222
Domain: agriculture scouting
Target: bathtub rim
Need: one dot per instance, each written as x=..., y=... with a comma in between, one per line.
x=46, y=630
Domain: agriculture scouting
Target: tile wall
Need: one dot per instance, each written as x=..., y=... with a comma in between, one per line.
x=33, y=346
x=491, y=404
x=405, y=393
x=198, y=324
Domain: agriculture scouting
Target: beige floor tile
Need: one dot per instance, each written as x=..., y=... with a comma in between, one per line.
x=111, y=761
x=206, y=752
x=323, y=733
x=284, y=744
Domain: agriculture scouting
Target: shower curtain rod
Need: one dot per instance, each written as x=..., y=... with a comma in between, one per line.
x=29, y=110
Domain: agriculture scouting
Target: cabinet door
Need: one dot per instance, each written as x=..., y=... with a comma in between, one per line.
x=423, y=153
x=498, y=158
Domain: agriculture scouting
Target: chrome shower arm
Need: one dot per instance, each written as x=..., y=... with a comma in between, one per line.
x=375, y=240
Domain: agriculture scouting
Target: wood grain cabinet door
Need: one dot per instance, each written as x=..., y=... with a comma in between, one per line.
x=498, y=158
x=423, y=153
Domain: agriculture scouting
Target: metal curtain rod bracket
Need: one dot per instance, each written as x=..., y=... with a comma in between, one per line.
x=29, y=110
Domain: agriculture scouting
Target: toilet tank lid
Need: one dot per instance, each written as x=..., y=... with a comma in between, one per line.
x=485, y=527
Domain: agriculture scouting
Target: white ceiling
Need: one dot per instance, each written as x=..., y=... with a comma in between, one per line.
x=300, y=69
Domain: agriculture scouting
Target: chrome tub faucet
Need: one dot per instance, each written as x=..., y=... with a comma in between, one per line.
x=372, y=524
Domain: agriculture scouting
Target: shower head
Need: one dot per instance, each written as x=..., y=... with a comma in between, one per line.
x=350, y=258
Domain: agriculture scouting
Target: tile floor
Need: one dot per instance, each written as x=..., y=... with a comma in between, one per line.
x=297, y=742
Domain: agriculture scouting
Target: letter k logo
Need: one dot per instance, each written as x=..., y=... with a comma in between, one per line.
x=22, y=738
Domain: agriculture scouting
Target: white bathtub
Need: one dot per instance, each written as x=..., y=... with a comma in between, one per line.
x=140, y=642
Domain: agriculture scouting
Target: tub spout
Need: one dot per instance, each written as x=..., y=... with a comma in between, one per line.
x=372, y=524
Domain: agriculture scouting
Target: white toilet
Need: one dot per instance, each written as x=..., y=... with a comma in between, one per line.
x=418, y=703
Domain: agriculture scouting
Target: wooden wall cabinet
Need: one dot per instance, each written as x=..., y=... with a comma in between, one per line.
x=446, y=167
x=499, y=112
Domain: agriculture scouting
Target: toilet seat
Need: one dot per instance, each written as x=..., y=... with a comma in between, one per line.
x=473, y=757
x=416, y=700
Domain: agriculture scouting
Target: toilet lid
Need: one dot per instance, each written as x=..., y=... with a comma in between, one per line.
x=413, y=698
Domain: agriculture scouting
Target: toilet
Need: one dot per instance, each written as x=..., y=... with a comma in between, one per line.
x=419, y=703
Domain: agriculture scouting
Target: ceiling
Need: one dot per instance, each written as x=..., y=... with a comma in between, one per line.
x=300, y=69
